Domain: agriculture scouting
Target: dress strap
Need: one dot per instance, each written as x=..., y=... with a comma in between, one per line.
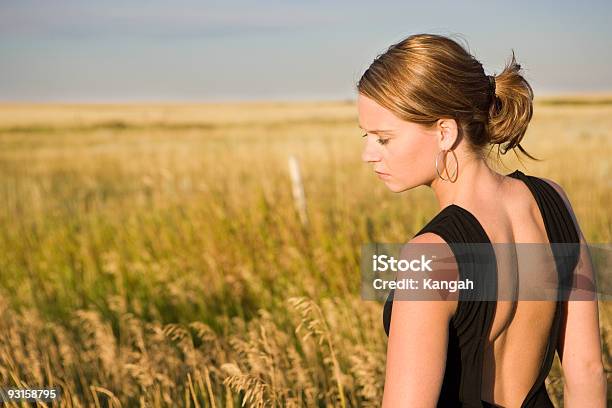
x=476, y=261
x=558, y=221
x=560, y=228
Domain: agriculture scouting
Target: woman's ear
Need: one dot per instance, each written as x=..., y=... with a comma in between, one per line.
x=447, y=133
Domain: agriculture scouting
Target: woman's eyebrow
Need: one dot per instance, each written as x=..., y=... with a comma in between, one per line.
x=377, y=130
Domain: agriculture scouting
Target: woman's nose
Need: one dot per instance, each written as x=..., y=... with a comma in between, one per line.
x=370, y=152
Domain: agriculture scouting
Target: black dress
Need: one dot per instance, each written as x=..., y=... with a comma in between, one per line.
x=472, y=322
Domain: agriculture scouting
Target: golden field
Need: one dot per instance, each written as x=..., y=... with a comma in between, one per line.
x=151, y=254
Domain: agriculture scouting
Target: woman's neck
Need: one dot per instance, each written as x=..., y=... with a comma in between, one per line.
x=475, y=181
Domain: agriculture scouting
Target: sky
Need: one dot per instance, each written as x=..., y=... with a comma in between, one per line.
x=152, y=50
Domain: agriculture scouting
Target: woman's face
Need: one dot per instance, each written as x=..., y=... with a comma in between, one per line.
x=403, y=153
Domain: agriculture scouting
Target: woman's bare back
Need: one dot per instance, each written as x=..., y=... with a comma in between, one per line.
x=520, y=333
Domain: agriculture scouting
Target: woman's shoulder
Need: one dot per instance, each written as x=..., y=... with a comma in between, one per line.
x=567, y=203
x=517, y=174
x=557, y=188
x=521, y=184
x=550, y=194
x=427, y=237
x=434, y=229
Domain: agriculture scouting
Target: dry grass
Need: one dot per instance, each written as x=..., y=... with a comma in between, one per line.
x=151, y=254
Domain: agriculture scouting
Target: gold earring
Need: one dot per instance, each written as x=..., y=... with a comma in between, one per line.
x=450, y=178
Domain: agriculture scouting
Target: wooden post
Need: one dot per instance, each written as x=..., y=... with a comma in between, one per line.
x=299, y=197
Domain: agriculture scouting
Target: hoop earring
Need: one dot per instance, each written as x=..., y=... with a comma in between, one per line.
x=450, y=178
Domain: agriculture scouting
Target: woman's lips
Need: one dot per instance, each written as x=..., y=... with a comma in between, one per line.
x=382, y=175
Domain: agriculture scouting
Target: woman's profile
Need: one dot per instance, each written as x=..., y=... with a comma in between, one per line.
x=431, y=114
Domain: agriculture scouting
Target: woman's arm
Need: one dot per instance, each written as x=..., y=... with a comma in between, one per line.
x=418, y=341
x=579, y=345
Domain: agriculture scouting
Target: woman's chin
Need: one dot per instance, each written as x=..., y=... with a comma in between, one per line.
x=396, y=187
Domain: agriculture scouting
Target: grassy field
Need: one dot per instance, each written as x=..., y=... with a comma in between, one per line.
x=151, y=255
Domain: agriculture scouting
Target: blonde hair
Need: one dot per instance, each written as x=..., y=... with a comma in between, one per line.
x=426, y=76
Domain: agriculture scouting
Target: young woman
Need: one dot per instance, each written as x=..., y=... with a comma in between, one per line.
x=430, y=113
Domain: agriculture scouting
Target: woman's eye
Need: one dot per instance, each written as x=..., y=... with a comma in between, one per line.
x=379, y=140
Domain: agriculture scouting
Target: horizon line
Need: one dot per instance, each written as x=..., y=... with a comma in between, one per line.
x=191, y=101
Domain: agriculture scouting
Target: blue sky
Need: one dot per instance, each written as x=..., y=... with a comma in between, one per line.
x=114, y=51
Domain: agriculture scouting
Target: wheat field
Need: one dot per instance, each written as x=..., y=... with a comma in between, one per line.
x=151, y=254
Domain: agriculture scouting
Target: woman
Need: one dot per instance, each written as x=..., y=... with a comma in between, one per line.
x=430, y=113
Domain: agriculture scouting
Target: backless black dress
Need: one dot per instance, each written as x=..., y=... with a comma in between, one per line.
x=472, y=322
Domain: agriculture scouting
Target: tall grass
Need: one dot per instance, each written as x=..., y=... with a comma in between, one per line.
x=152, y=255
